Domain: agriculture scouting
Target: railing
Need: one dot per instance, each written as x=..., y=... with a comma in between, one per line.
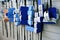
x=12, y=32
x=9, y=30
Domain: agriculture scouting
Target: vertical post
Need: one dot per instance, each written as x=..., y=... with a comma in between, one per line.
x=5, y=33
x=14, y=28
x=2, y=18
x=5, y=22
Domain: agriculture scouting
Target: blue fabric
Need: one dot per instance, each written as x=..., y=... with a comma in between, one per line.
x=31, y=14
x=39, y=24
x=41, y=19
x=18, y=23
x=39, y=2
x=25, y=12
x=10, y=10
x=24, y=15
x=24, y=22
x=29, y=28
x=39, y=27
x=11, y=19
x=30, y=8
x=23, y=8
x=52, y=12
x=30, y=22
x=17, y=15
x=10, y=14
x=17, y=18
x=6, y=14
